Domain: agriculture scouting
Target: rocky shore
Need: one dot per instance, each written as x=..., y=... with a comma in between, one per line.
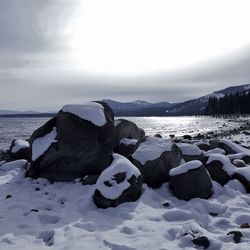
x=83, y=148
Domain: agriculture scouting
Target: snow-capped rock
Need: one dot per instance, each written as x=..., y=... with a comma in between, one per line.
x=229, y=146
x=219, y=167
x=127, y=129
x=92, y=111
x=191, y=180
x=70, y=146
x=190, y=152
x=126, y=147
x=20, y=149
x=215, y=151
x=155, y=157
x=120, y=182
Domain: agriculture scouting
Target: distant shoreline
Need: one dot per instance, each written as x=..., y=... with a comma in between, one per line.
x=40, y=115
x=28, y=115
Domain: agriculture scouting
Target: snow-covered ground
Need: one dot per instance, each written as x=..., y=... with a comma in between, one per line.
x=35, y=214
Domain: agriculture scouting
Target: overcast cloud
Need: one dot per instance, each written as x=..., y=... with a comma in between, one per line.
x=51, y=53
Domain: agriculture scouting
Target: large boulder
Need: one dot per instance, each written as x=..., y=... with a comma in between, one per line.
x=77, y=142
x=154, y=157
x=19, y=149
x=190, y=152
x=219, y=167
x=191, y=180
x=127, y=129
x=120, y=182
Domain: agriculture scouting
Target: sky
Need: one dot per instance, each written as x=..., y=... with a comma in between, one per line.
x=54, y=52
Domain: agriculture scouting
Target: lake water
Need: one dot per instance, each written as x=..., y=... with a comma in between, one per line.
x=22, y=128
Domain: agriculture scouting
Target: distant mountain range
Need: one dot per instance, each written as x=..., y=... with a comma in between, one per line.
x=143, y=108
x=13, y=112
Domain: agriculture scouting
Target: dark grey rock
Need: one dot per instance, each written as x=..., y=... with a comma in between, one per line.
x=216, y=172
x=82, y=148
x=126, y=148
x=128, y=129
x=156, y=172
x=23, y=153
x=237, y=235
x=89, y=180
x=112, y=179
x=202, y=241
x=158, y=135
x=203, y=146
x=194, y=183
x=187, y=137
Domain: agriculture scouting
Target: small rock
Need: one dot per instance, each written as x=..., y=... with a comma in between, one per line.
x=245, y=225
x=34, y=210
x=8, y=196
x=237, y=235
x=187, y=137
x=202, y=241
x=158, y=136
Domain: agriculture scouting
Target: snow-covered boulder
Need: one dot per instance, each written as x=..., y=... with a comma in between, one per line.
x=126, y=147
x=243, y=176
x=219, y=167
x=127, y=129
x=19, y=149
x=155, y=157
x=240, y=156
x=190, y=152
x=191, y=180
x=79, y=141
x=229, y=146
x=120, y=182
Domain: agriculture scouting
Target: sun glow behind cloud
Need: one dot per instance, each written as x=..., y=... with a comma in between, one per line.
x=145, y=37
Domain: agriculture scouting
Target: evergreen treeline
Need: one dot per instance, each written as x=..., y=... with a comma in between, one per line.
x=238, y=103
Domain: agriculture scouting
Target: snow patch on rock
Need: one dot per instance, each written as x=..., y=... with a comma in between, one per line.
x=19, y=144
x=41, y=144
x=215, y=151
x=244, y=171
x=8, y=166
x=185, y=167
x=227, y=166
x=92, y=111
x=117, y=122
x=189, y=149
x=238, y=156
x=128, y=142
x=119, y=165
x=151, y=149
x=237, y=148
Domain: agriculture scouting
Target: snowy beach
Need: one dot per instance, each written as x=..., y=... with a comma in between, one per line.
x=38, y=214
